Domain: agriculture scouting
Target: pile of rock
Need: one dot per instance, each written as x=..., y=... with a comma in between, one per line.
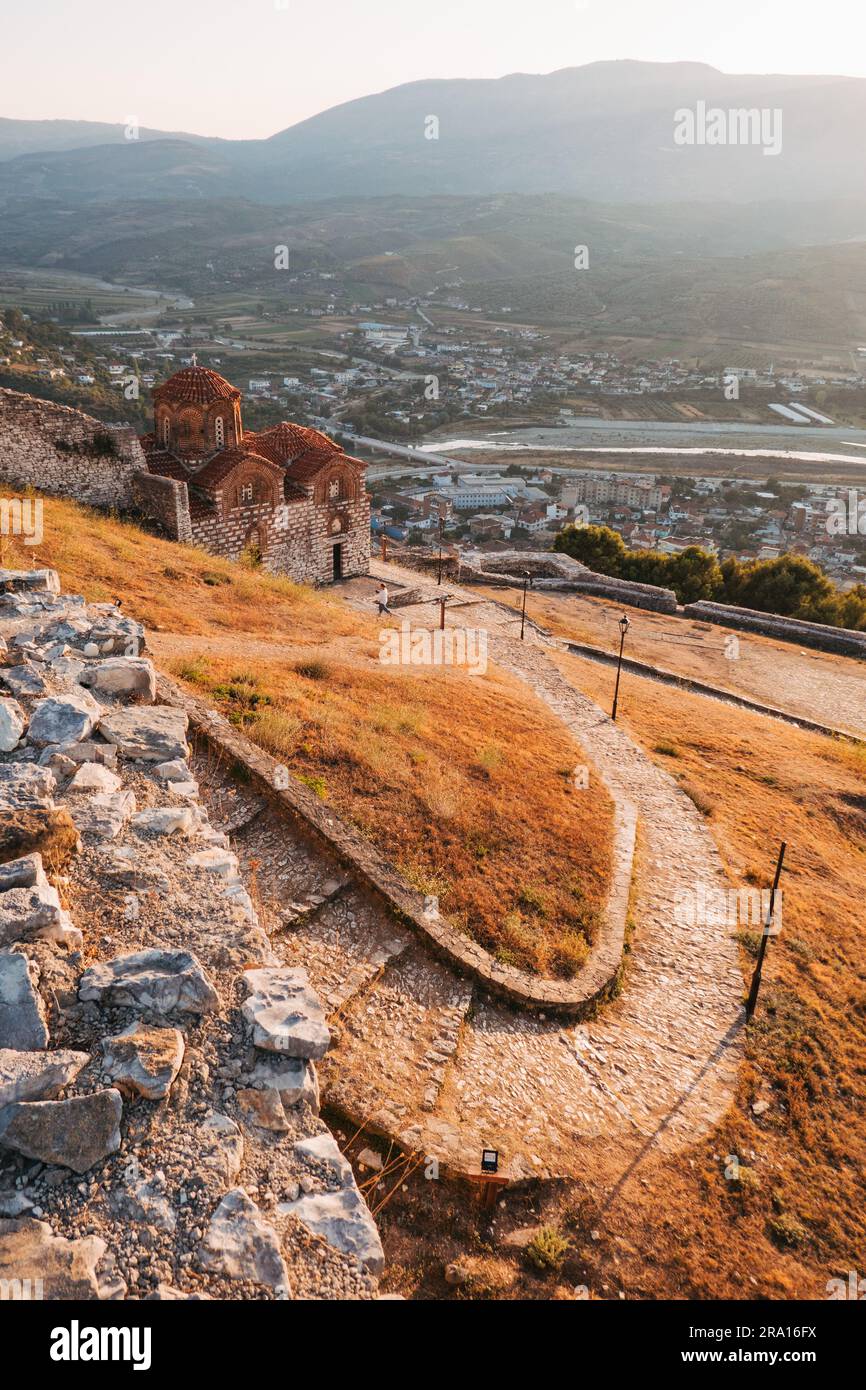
x=159, y=1130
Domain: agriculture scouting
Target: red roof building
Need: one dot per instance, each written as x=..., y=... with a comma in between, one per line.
x=290, y=496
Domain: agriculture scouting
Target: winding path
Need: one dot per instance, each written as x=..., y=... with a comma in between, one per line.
x=424, y=1056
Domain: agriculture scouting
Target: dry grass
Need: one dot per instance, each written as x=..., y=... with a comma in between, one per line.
x=463, y=782
x=766, y=782
x=819, y=685
x=428, y=767
x=679, y=1228
x=171, y=588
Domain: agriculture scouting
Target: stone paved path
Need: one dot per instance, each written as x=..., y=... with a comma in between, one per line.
x=425, y=1056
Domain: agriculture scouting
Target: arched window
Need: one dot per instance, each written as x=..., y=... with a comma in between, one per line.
x=220, y=431
x=166, y=429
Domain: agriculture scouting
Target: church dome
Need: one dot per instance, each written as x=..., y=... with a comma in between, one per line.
x=195, y=386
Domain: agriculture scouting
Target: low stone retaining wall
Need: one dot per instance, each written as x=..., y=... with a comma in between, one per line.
x=842, y=640
x=567, y=998
x=658, y=673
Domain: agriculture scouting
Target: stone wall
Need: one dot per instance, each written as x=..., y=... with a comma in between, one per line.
x=159, y=1103
x=165, y=501
x=61, y=450
x=560, y=573
x=827, y=639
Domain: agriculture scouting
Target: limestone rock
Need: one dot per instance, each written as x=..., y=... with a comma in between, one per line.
x=156, y=734
x=24, y=785
x=12, y=722
x=294, y=1078
x=157, y=979
x=215, y=861
x=242, y=1245
x=25, y=872
x=165, y=820
x=322, y=1152
x=175, y=771
x=25, y=581
x=32, y=912
x=122, y=675
x=37, y=1075
x=63, y=718
x=170, y=1294
x=22, y=1014
x=145, y=1201
x=104, y=815
x=285, y=1013
x=221, y=1147
x=144, y=1061
x=57, y=1268
x=342, y=1219
x=264, y=1109
x=88, y=751
x=25, y=679
x=94, y=777
x=75, y=1133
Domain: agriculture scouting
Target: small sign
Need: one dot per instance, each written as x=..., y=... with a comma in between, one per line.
x=489, y=1160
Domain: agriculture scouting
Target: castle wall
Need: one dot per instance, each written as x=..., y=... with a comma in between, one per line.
x=61, y=450
x=166, y=501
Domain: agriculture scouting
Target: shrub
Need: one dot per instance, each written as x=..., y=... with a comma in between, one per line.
x=787, y=1230
x=314, y=670
x=547, y=1249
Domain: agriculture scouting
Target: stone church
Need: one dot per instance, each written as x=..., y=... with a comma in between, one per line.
x=288, y=494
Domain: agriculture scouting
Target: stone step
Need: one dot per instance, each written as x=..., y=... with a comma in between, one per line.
x=345, y=946
x=394, y=1043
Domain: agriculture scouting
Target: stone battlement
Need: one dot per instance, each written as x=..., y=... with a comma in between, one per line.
x=158, y=1084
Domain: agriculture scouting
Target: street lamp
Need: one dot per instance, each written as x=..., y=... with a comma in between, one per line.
x=441, y=529
x=623, y=629
x=526, y=578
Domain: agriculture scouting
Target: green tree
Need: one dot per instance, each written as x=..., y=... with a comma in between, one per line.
x=598, y=547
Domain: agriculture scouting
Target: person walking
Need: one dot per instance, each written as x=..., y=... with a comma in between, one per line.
x=382, y=600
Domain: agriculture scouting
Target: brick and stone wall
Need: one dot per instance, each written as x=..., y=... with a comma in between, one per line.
x=296, y=538
x=61, y=450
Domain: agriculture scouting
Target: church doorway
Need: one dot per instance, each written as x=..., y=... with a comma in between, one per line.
x=338, y=562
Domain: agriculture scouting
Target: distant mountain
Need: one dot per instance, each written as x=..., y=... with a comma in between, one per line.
x=44, y=137
x=602, y=132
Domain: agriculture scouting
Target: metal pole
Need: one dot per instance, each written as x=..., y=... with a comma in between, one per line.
x=523, y=614
x=442, y=613
x=618, y=670
x=762, y=949
x=441, y=526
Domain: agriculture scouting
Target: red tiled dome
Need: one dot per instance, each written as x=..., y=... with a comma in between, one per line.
x=196, y=386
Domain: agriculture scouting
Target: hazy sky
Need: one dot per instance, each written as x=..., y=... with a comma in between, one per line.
x=252, y=67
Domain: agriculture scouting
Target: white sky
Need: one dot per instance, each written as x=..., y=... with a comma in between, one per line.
x=252, y=67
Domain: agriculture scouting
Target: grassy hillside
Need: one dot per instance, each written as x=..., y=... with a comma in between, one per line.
x=424, y=762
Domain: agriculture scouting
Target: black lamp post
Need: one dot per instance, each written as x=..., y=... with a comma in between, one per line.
x=441, y=529
x=623, y=629
x=526, y=578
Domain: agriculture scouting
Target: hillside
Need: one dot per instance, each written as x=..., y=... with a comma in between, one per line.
x=423, y=762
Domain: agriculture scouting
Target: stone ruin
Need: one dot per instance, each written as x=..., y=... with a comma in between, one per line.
x=159, y=1105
